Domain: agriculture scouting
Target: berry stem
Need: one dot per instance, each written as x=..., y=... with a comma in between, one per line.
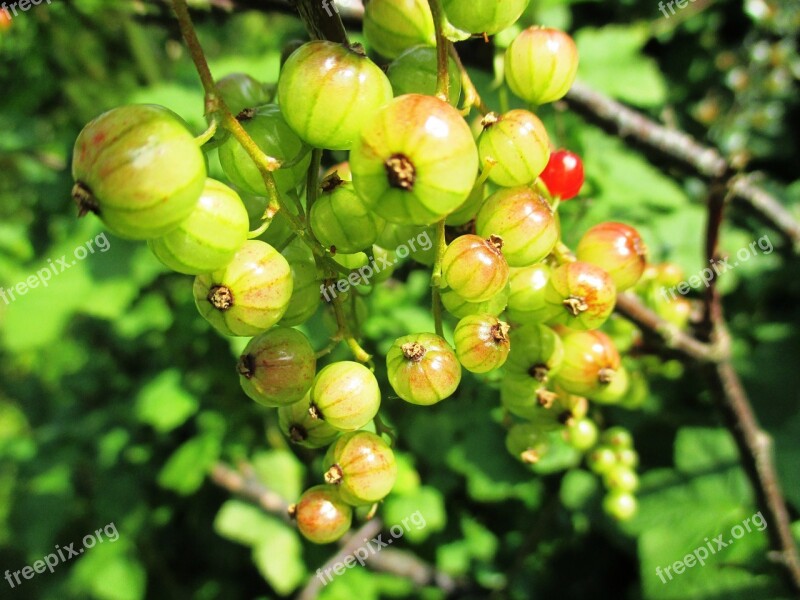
x=206, y=136
x=442, y=45
x=436, y=278
x=471, y=95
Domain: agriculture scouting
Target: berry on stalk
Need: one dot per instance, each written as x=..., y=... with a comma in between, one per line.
x=301, y=428
x=517, y=143
x=563, y=175
x=423, y=369
x=475, y=268
x=345, y=395
x=590, y=362
x=482, y=343
x=322, y=516
x=541, y=64
x=585, y=294
x=362, y=466
x=616, y=248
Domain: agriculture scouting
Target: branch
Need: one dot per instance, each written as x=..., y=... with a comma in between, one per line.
x=704, y=160
x=245, y=483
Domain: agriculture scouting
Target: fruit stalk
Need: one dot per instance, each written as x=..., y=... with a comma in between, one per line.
x=436, y=277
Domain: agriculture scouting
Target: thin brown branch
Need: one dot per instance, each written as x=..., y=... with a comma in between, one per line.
x=704, y=160
x=250, y=488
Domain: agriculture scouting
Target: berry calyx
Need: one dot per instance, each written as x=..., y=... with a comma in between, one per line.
x=301, y=428
x=563, y=176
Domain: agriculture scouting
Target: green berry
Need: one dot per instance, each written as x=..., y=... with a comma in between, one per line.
x=621, y=506
x=362, y=466
x=277, y=367
x=481, y=343
x=341, y=221
x=415, y=72
x=540, y=65
x=249, y=295
x=327, y=90
x=139, y=169
x=475, y=268
x=345, y=395
x=301, y=428
x=209, y=237
x=393, y=26
x=527, y=443
x=423, y=369
x=518, y=146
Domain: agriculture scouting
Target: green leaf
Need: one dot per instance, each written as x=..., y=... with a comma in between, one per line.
x=163, y=403
x=279, y=557
x=110, y=572
x=186, y=469
x=281, y=471
x=419, y=514
x=612, y=61
x=699, y=450
x=242, y=522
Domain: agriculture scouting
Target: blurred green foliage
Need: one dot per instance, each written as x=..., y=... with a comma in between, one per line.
x=116, y=398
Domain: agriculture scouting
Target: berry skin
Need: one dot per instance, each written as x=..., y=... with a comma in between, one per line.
x=526, y=301
x=326, y=90
x=581, y=434
x=590, y=362
x=527, y=443
x=415, y=161
x=601, y=460
x=423, y=369
x=306, y=281
x=340, y=220
x=393, y=26
x=622, y=479
x=277, y=367
x=415, y=72
x=563, y=175
x=209, y=237
x=269, y=130
x=139, y=169
x=618, y=438
x=474, y=268
x=540, y=65
x=538, y=353
x=345, y=395
x=616, y=248
x=627, y=457
x=484, y=16
x=621, y=506
x=518, y=143
x=362, y=466
x=585, y=293
x=460, y=308
x=249, y=295
x=240, y=91
x=482, y=343
x=301, y=428
x=322, y=516
x=524, y=220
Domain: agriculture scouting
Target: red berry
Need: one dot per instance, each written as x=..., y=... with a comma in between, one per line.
x=277, y=367
x=585, y=294
x=481, y=342
x=524, y=220
x=618, y=249
x=423, y=369
x=563, y=174
x=362, y=466
x=321, y=515
x=475, y=268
